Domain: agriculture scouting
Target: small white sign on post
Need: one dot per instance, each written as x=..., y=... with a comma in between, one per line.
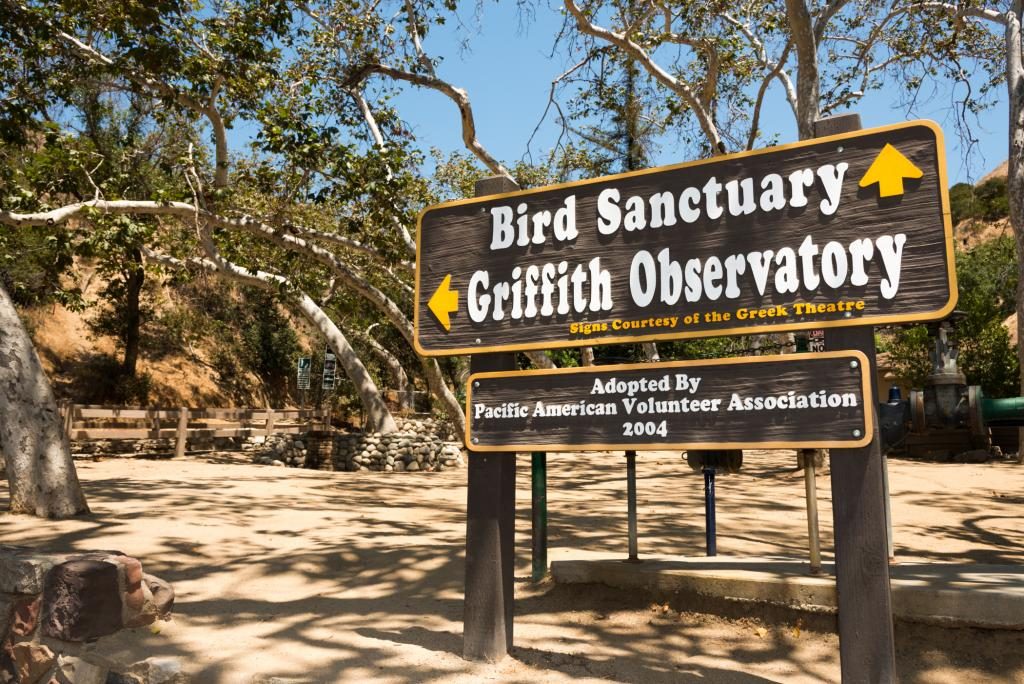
x=330, y=368
x=305, y=364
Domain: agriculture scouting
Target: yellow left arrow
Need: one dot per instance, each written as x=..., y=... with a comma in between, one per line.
x=444, y=301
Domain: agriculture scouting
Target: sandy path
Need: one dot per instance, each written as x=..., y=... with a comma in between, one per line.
x=344, y=577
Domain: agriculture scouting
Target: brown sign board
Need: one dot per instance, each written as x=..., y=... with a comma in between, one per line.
x=770, y=402
x=851, y=229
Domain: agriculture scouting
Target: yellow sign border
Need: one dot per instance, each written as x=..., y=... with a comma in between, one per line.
x=940, y=313
x=868, y=398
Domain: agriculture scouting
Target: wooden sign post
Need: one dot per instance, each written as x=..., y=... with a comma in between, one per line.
x=840, y=233
x=490, y=524
x=866, y=642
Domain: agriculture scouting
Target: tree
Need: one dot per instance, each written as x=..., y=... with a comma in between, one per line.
x=40, y=472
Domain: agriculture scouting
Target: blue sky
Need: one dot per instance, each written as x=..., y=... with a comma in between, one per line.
x=507, y=71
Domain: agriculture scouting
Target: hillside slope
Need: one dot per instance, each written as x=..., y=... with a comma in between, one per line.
x=82, y=364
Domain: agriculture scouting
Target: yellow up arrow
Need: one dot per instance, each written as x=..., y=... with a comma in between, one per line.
x=888, y=170
x=444, y=301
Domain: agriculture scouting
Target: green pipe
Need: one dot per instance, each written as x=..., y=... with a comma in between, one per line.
x=539, y=509
x=1008, y=411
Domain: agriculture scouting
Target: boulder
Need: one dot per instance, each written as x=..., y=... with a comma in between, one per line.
x=82, y=601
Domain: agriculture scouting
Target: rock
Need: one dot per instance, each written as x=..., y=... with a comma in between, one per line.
x=31, y=661
x=399, y=466
x=7, y=603
x=159, y=670
x=81, y=601
x=413, y=467
x=389, y=468
x=972, y=456
x=22, y=571
x=300, y=445
x=277, y=463
x=25, y=616
x=72, y=669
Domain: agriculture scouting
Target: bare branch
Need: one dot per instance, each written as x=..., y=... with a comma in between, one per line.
x=679, y=87
x=348, y=243
x=209, y=110
x=552, y=101
x=378, y=138
x=414, y=33
x=455, y=94
x=118, y=207
x=776, y=69
x=961, y=10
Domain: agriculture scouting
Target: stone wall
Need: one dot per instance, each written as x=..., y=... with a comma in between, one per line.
x=418, y=445
x=55, y=609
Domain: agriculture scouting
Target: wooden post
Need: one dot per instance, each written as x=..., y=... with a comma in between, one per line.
x=270, y=422
x=866, y=647
x=490, y=524
x=154, y=423
x=811, y=490
x=179, y=444
x=69, y=419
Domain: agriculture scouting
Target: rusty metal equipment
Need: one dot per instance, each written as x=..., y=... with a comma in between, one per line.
x=947, y=417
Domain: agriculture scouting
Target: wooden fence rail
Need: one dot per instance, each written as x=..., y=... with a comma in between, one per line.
x=185, y=423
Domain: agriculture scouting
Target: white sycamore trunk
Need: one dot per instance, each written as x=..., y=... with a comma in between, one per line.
x=1015, y=173
x=40, y=473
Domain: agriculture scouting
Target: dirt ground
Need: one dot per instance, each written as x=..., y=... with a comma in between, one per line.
x=357, y=577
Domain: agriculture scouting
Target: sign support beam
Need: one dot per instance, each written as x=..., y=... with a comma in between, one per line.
x=488, y=607
x=866, y=642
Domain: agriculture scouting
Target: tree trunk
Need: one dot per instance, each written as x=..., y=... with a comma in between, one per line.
x=1015, y=173
x=540, y=359
x=398, y=375
x=801, y=30
x=586, y=356
x=40, y=472
x=378, y=417
x=132, y=318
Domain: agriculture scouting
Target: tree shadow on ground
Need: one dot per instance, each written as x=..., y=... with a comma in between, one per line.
x=358, y=577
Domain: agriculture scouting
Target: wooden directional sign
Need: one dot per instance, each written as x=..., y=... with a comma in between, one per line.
x=851, y=229
x=769, y=402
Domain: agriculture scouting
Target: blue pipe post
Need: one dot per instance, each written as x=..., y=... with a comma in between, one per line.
x=709, y=511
